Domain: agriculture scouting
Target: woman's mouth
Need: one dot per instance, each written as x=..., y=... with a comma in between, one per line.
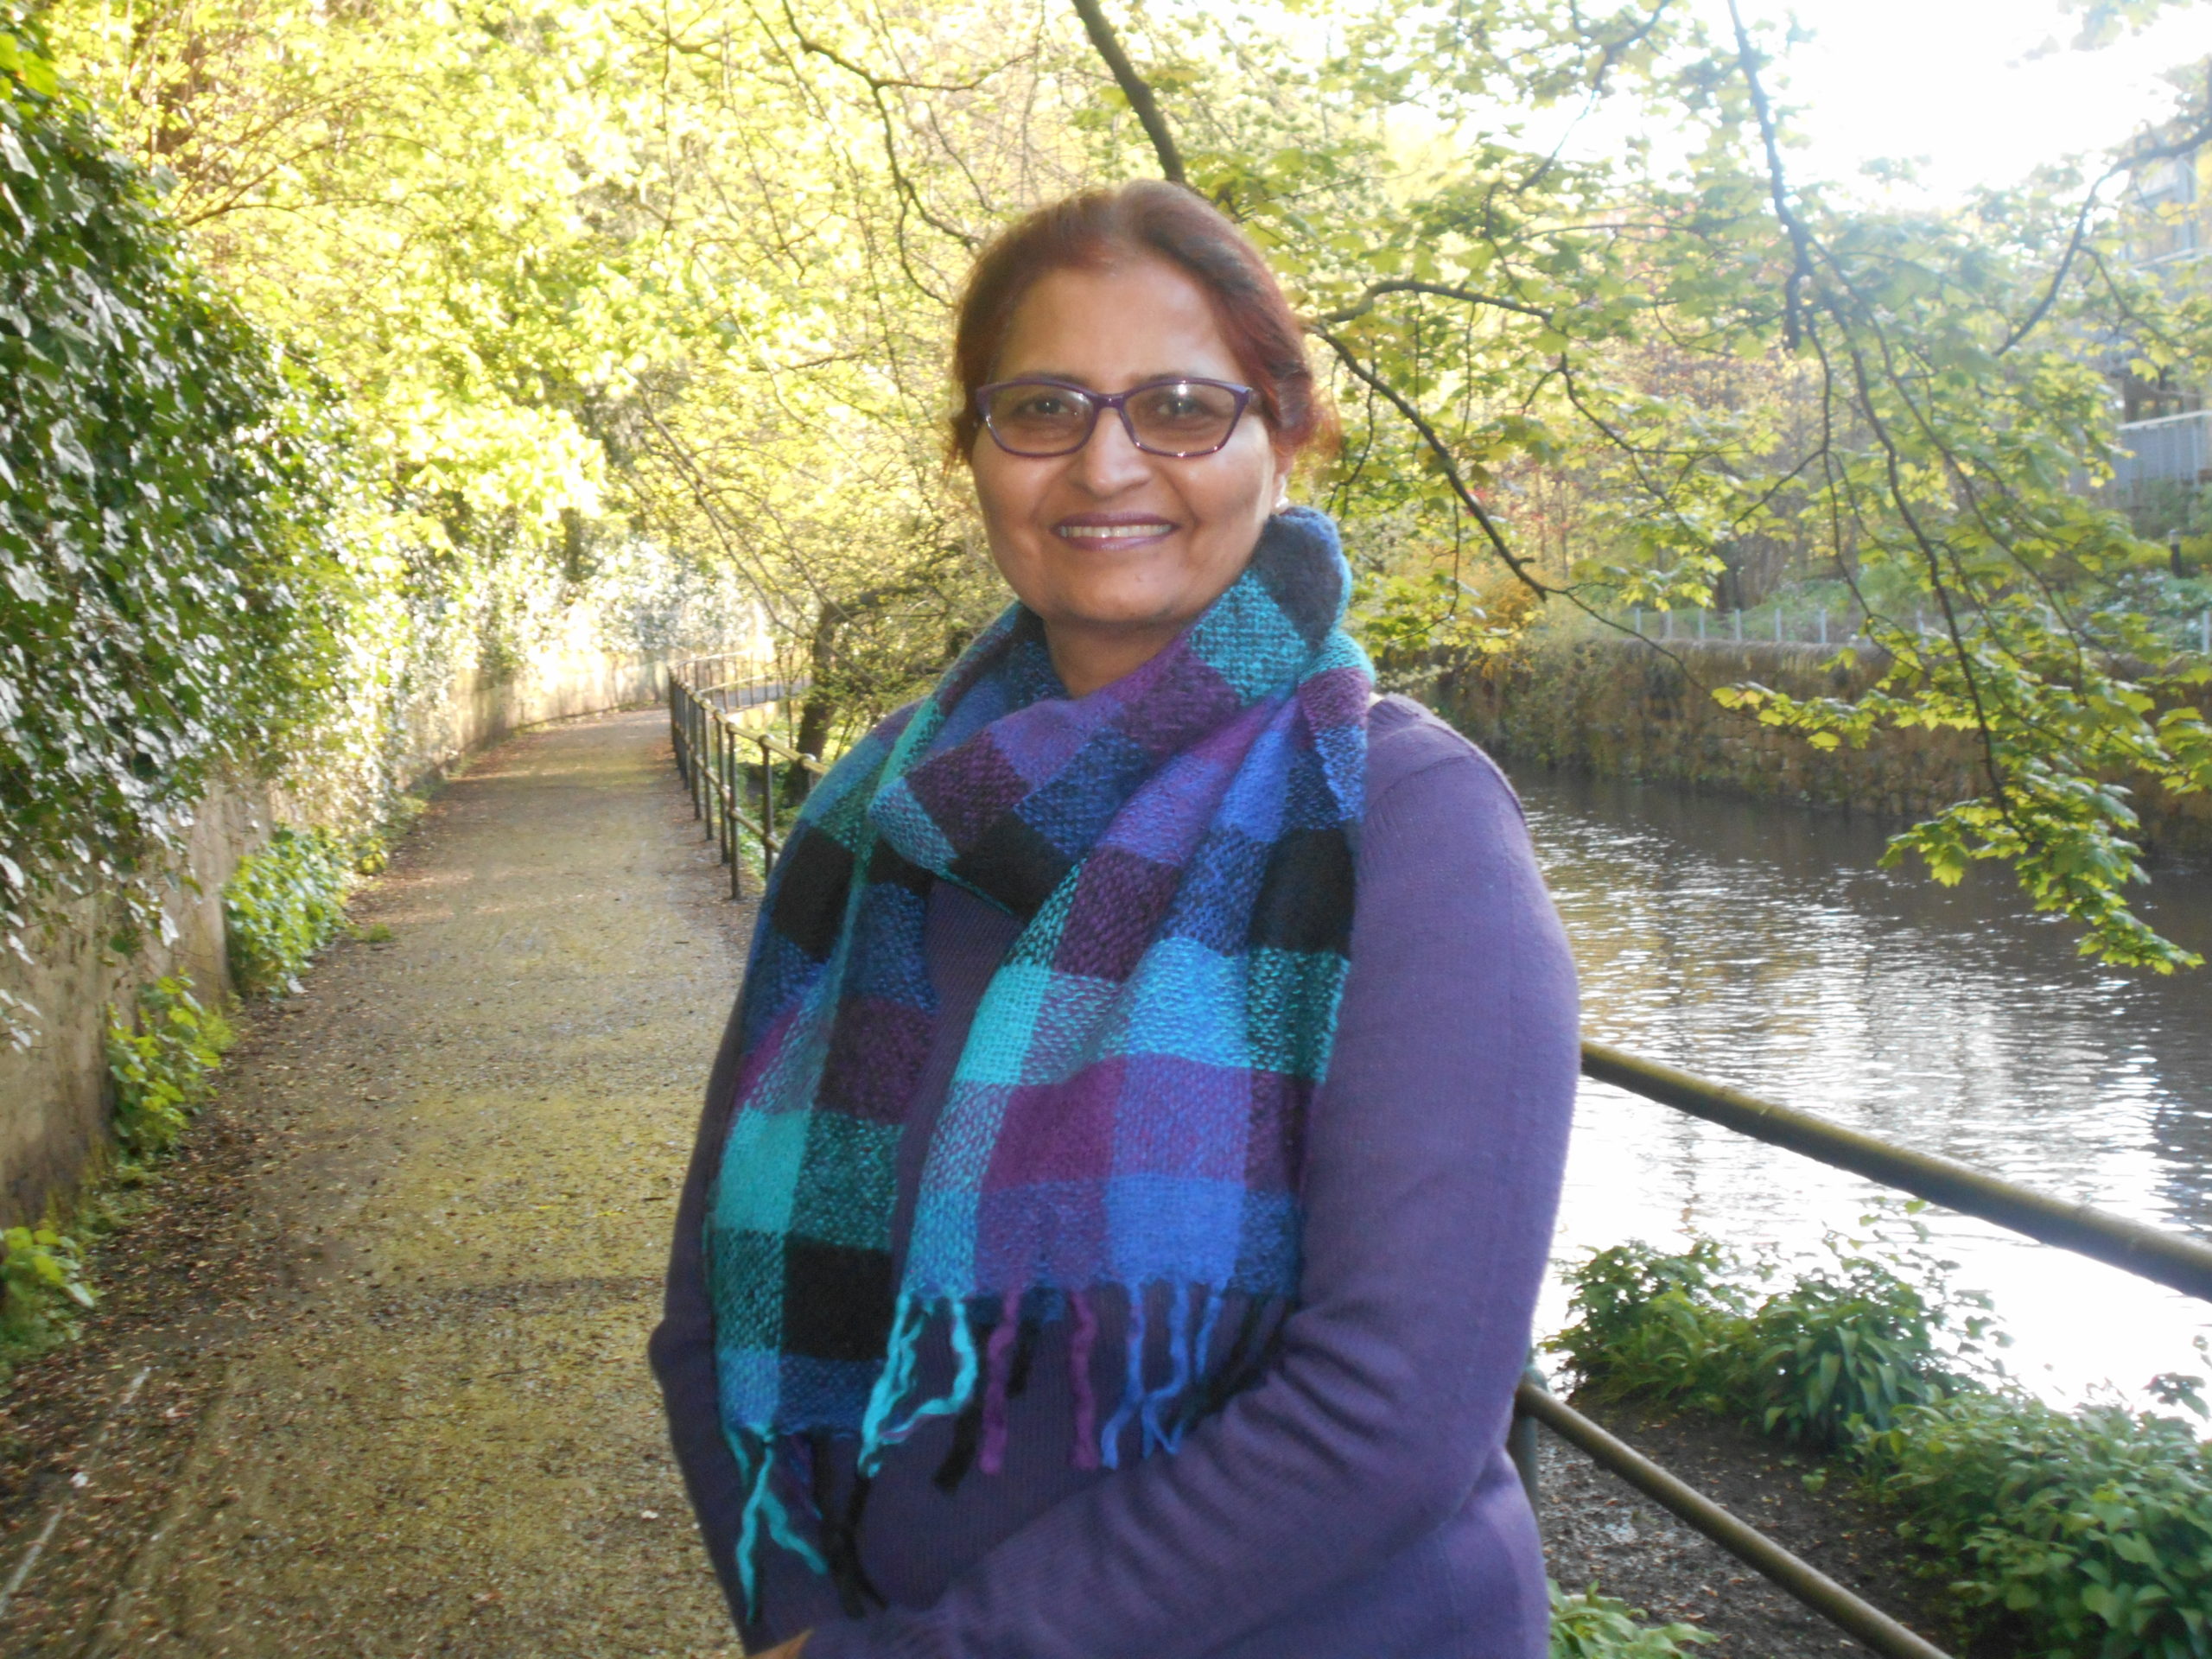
x=1117, y=531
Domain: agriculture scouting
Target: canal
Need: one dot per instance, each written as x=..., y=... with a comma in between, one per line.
x=1760, y=945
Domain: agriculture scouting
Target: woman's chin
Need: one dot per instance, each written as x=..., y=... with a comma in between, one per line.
x=1132, y=616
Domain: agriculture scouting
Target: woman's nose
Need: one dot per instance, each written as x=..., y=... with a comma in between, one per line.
x=1108, y=462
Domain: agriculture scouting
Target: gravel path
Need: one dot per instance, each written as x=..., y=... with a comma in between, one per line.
x=371, y=1379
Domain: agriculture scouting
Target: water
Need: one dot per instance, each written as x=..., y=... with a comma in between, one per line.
x=1758, y=944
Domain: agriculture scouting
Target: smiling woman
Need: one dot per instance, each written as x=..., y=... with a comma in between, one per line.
x=1123, y=1191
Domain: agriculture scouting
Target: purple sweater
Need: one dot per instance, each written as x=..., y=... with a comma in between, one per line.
x=1354, y=1502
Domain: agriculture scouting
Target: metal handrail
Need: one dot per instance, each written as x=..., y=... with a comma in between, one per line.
x=1800, y=1578
x=706, y=738
x=2169, y=1259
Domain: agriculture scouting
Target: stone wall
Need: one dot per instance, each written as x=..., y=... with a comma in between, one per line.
x=54, y=1095
x=1613, y=706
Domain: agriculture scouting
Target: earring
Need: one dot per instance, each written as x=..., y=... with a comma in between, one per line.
x=1282, y=502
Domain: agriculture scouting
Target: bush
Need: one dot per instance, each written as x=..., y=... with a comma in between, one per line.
x=2080, y=1534
x=1830, y=1357
x=42, y=1289
x=1588, y=1625
x=2065, y=1533
x=284, y=905
x=161, y=1064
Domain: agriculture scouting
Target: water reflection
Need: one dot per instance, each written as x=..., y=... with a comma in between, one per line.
x=1759, y=944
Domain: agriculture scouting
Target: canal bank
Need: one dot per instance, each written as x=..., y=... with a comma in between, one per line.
x=1620, y=706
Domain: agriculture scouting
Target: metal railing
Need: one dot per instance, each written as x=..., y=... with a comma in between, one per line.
x=731, y=792
x=1819, y=625
x=2171, y=449
x=707, y=738
x=2169, y=1259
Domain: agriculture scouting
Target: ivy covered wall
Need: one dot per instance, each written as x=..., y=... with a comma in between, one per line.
x=216, y=616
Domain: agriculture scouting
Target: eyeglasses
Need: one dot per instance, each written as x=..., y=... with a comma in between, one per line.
x=1182, y=418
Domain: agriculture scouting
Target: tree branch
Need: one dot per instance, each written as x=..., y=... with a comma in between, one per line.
x=2179, y=147
x=1801, y=239
x=1442, y=290
x=1442, y=452
x=1133, y=88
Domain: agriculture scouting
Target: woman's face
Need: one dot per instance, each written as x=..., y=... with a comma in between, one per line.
x=1118, y=550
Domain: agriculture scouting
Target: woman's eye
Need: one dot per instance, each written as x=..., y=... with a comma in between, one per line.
x=1181, y=406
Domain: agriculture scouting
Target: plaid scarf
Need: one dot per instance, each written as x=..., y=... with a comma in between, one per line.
x=1128, y=1108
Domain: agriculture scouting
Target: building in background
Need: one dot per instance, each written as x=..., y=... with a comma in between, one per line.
x=2166, y=429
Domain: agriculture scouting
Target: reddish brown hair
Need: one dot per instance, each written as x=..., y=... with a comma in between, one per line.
x=1149, y=219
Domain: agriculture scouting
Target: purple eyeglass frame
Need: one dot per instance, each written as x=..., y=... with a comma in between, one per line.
x=1100, y=401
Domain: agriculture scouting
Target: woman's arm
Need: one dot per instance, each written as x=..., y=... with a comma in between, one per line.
x=683, y=1346
x=1434, y=1167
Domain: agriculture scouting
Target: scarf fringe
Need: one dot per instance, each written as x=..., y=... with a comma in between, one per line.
x=982, y=1380
x=879, y=1432
x=764, y=1512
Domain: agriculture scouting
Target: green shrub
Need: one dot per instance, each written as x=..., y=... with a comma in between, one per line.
x=2063, y=1533
x=284, y=904
x=1831, y=1356
x=42, y=1289
x=2080, y=1535
x=161, y=1064
x=1588, y=1625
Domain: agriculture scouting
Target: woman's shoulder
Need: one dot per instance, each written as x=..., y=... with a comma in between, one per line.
x=1415, y=759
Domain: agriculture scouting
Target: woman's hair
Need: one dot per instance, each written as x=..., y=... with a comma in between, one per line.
x=1149, y=219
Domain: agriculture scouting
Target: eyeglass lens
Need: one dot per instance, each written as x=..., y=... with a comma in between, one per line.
x=1177, y=417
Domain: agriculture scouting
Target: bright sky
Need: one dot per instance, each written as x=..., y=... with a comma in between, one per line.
x=1953, y=81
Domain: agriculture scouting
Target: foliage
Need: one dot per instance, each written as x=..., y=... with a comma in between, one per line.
x=1588, y=1625
x=2080, y=1535
x=591, y=274
x=164, y=595
x=42, y=1289
x=2064, y=1534
x=162, y=1064
x=1830, y=1357
x=285, y=903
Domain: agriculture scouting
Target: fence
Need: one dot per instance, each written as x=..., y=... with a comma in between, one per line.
x=1819, y=626
x=708, y=740
x=2174, y=449
x=733, y=794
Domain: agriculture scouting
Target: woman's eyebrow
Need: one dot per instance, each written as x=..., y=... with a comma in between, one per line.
x=1140, y=381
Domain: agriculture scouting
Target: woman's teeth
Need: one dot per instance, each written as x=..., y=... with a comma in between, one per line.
x=1113, y=532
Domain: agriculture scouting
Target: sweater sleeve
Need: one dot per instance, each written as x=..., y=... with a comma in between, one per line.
x=1435, y=1157
x=682, y=1349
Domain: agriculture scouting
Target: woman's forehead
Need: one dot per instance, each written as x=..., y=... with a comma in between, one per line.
x=1112, y=325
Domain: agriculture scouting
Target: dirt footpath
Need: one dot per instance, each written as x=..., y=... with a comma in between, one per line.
x=371, y=1378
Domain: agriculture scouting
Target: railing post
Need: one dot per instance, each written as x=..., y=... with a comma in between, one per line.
x=675, y=730
x=698, y=773
x=1520, y=1444
x=728, y=783
x=768, y=807
x=717, y=741
x=736, y=841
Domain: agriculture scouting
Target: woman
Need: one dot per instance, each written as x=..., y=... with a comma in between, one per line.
x=1125, y=1184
